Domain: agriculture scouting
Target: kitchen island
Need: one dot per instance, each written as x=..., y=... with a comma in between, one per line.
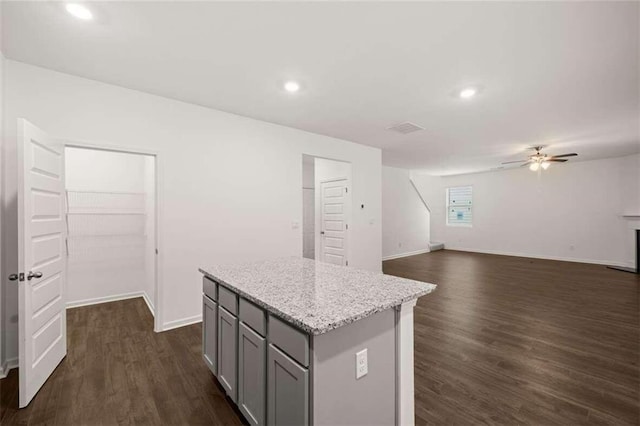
x=294, y=342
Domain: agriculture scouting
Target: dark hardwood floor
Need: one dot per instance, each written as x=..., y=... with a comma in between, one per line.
x=118, y=371
x=508, y=340
x=503, y=340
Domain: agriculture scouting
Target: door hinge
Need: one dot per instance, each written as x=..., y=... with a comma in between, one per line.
x=346, y=225
x=156, y=251
x=347, y=263
x=346, y=189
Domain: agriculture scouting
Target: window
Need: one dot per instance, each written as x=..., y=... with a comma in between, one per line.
x=459, y=205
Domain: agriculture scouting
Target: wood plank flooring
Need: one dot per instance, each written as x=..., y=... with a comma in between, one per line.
x=118, y=371
x=503, y=340
x=508, y=340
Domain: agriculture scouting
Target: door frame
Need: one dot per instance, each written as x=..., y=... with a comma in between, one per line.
x=347, y=179
x=157, y=296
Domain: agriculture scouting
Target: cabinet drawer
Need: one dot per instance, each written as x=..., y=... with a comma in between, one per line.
x=253, y=316
x=209, y=288
x=292, y=341
x=228, y=299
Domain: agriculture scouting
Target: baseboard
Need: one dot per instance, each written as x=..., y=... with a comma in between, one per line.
x=534, y=256
x=411, y=253
x=181, y=322
x=149, y=303
x=7, y=366
x=105, y=299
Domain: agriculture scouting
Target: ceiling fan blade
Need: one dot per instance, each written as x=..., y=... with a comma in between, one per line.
x=516, y=161
x=556, y=160
x=526, y=164
x=573, y=154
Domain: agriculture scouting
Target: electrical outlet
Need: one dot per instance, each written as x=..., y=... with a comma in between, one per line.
x=362, y=365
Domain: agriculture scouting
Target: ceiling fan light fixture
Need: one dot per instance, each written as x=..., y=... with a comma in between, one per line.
x=541, y=160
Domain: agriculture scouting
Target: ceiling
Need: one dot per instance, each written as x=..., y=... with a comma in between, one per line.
x=558, y=74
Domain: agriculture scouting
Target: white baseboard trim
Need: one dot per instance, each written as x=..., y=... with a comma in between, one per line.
x=7, y=366
x=535, y=256
x=411, y=253
x=149, y=303
x=181, y=322
x=105, y=299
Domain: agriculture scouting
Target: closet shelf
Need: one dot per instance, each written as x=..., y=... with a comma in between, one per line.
x=105, y=236
x=107, y=213
x=107, y=192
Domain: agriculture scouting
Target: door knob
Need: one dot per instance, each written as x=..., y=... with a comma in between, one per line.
x=34, y=275
x=13, y=277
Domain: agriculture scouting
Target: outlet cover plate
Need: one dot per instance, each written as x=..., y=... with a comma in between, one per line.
x=362, y=364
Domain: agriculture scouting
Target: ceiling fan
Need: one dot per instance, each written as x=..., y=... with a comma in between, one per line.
x=540, y=160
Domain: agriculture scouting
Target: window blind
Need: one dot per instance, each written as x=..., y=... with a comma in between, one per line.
x=460, y=205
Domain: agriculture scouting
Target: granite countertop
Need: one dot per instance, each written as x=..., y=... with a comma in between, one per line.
x=316, y=297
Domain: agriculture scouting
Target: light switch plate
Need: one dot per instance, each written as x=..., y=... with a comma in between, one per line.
x=362, y=364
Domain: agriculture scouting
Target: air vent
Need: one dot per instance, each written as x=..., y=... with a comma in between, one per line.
x=406, y=127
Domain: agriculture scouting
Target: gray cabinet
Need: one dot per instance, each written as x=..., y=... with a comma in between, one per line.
x=287, y=390
x=261, y=361
x=252, y=380
x=228, y=352
x=210, y=333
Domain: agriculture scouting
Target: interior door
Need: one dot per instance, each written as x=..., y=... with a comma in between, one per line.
x=42, y=259
x=334, y=232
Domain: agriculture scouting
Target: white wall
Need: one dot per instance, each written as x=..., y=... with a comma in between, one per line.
x=405, y=219
x=571, y=211
x=110, y=255
x=324, y=170
x=230, y=186
x=308, y=208
x=98, y=170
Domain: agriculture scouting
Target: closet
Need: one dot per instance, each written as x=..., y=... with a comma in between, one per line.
x=110, y=198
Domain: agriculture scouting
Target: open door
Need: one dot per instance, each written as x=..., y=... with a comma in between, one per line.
x=42, y=259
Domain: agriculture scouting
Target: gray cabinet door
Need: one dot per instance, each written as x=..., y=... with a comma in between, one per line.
x=228, y=352
x=210, y=333
x=252, y=372
x=287, y=390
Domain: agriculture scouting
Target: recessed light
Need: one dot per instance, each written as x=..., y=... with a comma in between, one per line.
x=292, y=86
x=79, y=11
x=467, y=93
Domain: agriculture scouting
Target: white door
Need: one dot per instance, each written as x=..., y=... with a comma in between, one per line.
x=333, y=235
x=42, y=259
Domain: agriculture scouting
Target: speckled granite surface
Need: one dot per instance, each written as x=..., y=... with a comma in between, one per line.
x=316, y=297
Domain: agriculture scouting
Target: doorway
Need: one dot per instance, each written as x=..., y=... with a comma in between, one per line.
x=85, y=211
x=111, y=223
x=326, y=209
